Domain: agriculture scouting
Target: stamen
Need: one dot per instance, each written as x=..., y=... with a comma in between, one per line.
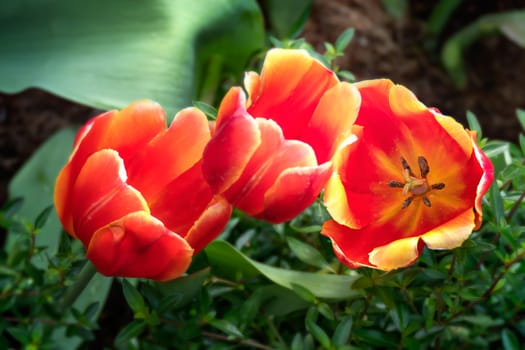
x=426, y=201
x=438, y=186
x=406, y=166
x=407, y=202
x=423, y=166
x=396, y=184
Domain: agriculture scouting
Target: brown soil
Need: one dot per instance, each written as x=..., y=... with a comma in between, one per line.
x=382, y=47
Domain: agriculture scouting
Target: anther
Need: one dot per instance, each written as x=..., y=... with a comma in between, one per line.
x=405, y=165
x=423, y=166
x=438, y=186
x=426, y=201
x=406, y=203
x=396, y=184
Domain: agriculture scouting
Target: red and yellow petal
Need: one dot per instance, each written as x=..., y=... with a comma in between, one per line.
x=138, y=245
x=290, y=87
x=394, y=255
x=210, y=224
x=288, y=154
x=486, y=179
x=452, y=233
x=235, y=140
x=125, y=131
x=100, y=194
x=169, y=154
x=332, y=120
x=294, y=190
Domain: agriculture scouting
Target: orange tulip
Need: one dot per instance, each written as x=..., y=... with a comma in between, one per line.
x=411, y=177
x=133, y=192
x=270, y=156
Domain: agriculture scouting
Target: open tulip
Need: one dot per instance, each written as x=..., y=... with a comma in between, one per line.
x=411, y=177
x=133, y=192
x=270, y=155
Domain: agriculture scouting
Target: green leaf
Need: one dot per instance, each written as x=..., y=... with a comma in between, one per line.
x=133, y=297
x=226, y=327
x=318, y=333
x=109, y=53
x=287, y=18
x=132, y=330
x=344, y=39
x=226, y=260
x=474, y=125
x=210, y=111
x=520, y=113
x=185, y=288
x=41, y=219
x=35, y=182
x=307, y=254
x=510, y=340
x=342, y=331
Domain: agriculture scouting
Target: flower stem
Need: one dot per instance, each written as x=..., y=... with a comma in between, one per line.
x=72, y=293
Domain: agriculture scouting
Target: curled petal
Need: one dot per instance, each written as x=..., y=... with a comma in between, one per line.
x=294, y=191
x=210, y=224
x=138, y=245
x=397, y=254
x=95, y=204
x=486, y=179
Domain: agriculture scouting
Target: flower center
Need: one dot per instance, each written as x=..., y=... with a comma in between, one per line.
x=416, y=186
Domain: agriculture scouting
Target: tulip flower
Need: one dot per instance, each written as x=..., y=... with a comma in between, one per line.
x=134, y=194
x=270, y=155
x=410, y=177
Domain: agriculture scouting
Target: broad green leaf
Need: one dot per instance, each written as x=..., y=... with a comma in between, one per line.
x=318, y=333
x=307, y=254
x=226, y=260
x=185, y=287
x=34, y=183
x=342, y=331
x=287, y=18
x=109, y=53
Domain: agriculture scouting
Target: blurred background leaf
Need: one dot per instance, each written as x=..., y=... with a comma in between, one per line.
x=108, y=54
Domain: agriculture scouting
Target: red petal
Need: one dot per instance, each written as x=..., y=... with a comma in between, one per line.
x=169, y=154
x=210, y=224
x=100, y=194
x=182, y=201
x=138, y=245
